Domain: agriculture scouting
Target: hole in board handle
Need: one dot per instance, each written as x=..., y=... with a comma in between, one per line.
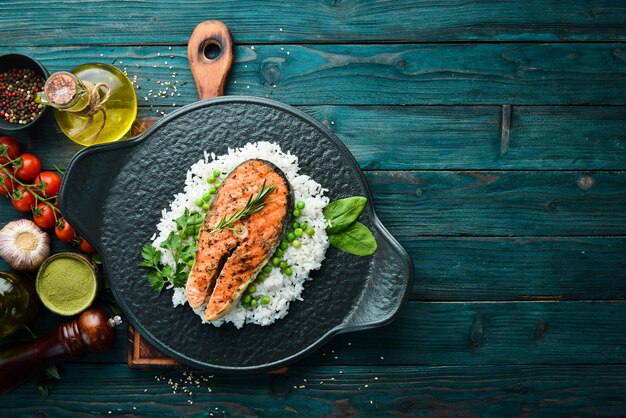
x=212, y=49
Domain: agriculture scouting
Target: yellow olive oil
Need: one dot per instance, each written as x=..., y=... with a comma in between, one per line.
x=120, y=108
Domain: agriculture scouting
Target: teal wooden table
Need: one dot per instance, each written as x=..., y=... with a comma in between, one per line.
x=493, y=137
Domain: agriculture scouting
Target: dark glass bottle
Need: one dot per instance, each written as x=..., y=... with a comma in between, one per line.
x=18, y=302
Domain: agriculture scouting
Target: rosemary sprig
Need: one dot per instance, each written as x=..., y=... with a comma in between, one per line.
x=255, y=204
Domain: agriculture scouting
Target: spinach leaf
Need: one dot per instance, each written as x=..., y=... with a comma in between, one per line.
x=356, y=239
x=343, y=212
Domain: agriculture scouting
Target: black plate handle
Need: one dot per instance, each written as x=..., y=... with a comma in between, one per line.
x=210, y=54
x=387, y=292
x=85, y=187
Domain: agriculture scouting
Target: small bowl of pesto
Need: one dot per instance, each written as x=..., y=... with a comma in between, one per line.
x=67, y=283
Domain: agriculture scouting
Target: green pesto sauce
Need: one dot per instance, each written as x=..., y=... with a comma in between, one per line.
x=66, y=285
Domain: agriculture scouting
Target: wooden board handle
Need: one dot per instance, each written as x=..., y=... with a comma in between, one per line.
x=210, y=53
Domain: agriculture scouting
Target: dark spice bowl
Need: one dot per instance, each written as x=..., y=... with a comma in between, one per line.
x=9, y=61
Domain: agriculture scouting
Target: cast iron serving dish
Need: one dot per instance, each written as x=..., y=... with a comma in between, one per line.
x=113, y=195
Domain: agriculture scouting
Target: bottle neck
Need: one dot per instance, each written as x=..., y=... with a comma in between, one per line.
x=64, y=91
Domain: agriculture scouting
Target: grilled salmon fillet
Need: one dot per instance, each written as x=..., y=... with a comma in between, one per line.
x=228, y=260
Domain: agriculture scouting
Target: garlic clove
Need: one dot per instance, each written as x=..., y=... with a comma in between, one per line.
x=23, y=245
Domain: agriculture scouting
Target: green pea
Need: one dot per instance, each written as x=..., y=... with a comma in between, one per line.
x=205, y=207
x=218, y=183
x=296, y=213
x=217, y=173
x=199, y=202
x=296, y=243
x=190, y=263
x=254, y=303
x=206, y=197
x=284, y=245
x=275, y=261
x=295, y=225
x=300, y=204
x=267, y=269
x=298, y=232
x=247, y=298
x=288, y=271
x=310, y=232
x=283, y=265
x=261, y=278
x=252, y=289
x=265, y=300
x=210, y=180
x=290, y=236
x=304, y=226
x=213, y=190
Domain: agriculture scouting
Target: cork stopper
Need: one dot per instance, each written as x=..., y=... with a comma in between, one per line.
x=61, y=88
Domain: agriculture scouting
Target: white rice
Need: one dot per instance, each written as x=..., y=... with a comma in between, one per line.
x=281, y=289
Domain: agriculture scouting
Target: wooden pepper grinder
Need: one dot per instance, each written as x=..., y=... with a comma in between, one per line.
x=92, y=331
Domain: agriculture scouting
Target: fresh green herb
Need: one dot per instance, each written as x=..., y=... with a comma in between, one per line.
x=163, y=274
x=343, y=212
x=356, y=239
x=255, y=204
x=345, y=233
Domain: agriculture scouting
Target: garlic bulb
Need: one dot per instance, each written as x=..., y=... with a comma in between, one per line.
x=23, y=245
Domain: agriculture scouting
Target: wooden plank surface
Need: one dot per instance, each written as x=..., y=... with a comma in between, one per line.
x=494, y=203
x=527, y=268
x=383, y=74
x=443, y=137
x=334, y=391
x=163, y=21
x=473, y=333
x=509, y=194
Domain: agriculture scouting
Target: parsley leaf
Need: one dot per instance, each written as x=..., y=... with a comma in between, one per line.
x=156, y=281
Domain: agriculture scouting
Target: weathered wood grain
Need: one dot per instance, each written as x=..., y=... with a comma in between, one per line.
x=162, y=21
x=335, y=391
x=494, y=203
x=473, y=333
x=442, y=137
x=475, y=268
x=383, y=74
x=453, y=137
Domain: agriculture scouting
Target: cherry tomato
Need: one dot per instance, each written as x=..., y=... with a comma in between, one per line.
x=43, y=216
x=7, y=188
x=29, y=168
x=86, y=247
x=52, y=183
x=12, y=149
x=22, y=200
x=64, y=231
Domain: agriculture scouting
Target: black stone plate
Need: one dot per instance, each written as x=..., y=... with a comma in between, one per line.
x=114, y=194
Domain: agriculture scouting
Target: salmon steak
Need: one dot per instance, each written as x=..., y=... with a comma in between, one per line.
x=230, y=254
